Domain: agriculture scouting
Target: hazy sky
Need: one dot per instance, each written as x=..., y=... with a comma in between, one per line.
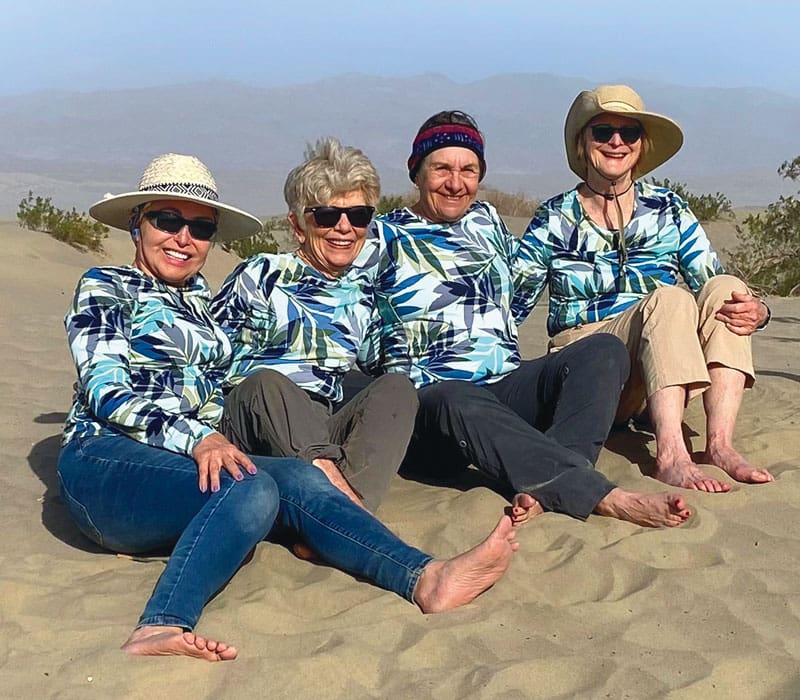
x=101, y=44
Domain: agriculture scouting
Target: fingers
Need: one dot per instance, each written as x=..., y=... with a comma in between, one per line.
x=741, y=314
x=215, y=453
x=202, y=475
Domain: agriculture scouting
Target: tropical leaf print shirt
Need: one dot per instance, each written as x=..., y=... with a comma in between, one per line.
x=444, y=294
x=583, y=266
x=150, y=359
x=284, y=315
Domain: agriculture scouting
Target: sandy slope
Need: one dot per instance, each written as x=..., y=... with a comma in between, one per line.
x=588, y=610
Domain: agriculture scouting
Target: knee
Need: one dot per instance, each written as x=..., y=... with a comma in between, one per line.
x=719, y=288
x=257, y=505
x=668, y=306
x=602, y=355
x=401, y=391
x=612, y=354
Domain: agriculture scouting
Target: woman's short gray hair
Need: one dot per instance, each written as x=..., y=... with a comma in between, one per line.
x=330, y=170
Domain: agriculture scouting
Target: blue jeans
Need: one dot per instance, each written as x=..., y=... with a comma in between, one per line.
x=130, y=497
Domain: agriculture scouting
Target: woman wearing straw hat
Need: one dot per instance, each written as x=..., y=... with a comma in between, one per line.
x=142, y=465
x=447, y=277
x=611, y=252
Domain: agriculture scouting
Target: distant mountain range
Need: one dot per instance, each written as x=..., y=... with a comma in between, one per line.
x=75, y=146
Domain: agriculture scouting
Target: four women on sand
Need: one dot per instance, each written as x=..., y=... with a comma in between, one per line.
x=175, y=397
x=143, y=465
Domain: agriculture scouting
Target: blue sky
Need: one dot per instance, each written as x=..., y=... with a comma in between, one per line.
x=102, y=44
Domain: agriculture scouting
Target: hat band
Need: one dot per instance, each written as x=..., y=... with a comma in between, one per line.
x=182, y=188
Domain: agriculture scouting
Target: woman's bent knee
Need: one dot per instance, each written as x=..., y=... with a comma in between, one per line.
x=256, y=505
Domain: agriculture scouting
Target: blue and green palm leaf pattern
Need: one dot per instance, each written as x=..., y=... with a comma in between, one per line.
x=150, y=359
x=443, y=296
x=284, y=315
x=580, y=263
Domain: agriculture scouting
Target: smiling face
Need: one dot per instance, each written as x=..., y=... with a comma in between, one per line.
x=448, y=183
x=172, y=257
x=612, y=161
x=331, y=250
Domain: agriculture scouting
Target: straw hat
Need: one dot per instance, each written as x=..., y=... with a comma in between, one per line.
x=664, y=134
x=174, y=176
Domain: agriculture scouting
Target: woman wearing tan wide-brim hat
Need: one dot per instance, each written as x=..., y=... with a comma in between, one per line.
x=612, y=251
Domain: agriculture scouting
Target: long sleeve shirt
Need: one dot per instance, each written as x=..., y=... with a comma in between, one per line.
x=444, y=295
x=581, y=263
x=284, y=315
x=150, y=359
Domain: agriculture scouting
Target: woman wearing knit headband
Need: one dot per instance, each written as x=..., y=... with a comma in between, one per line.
x=445, y=290
x=611, y=251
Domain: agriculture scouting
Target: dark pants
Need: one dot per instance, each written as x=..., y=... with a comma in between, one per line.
x=539, y=429
x=366, y=437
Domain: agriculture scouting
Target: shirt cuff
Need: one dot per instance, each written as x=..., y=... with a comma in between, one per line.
x=767, y=319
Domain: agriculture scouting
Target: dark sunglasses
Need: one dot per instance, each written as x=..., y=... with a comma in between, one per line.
x=168, y=222
x=603, y=133
x=327, y=217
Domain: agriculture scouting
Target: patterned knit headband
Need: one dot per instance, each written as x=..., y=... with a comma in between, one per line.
x=443, y=136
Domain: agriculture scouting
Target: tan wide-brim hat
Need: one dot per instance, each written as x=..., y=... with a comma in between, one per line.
x=665, y=135
x=175, y=176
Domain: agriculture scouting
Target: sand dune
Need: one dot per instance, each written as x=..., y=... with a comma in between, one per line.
x=588, y=610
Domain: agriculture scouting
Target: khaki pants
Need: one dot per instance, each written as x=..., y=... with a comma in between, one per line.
x=672, y=338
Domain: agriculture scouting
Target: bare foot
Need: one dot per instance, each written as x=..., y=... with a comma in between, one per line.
x=303, y=551
x=686, y=474
x=337, y=479
x=736, y=466
x=445, y=585
x=524, y=507
x=154, y=640
x=646, y=509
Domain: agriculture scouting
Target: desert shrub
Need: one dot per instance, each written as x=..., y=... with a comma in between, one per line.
x=768, y=256
x=508, y=204
x=72, y=227
x=393, y=201
x=706, y=207
x=262, y=243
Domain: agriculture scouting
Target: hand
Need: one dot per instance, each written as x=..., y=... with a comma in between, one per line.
x=742, y=314
x=215, y=452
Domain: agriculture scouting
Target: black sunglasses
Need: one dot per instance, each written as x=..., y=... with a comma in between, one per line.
x=603, y=133
x=327, y=217
x=169, y=222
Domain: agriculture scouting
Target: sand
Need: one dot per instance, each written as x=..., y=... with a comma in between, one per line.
x=601, y=609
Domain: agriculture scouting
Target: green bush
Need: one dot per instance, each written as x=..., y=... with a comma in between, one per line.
x=505, y=203
x=509, y=204
x=72, y=227
x=706, y=207
x=394, y=201
x=768, y=256
x=262, y=243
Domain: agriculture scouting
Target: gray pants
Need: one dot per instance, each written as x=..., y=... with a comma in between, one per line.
x=367, y=437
